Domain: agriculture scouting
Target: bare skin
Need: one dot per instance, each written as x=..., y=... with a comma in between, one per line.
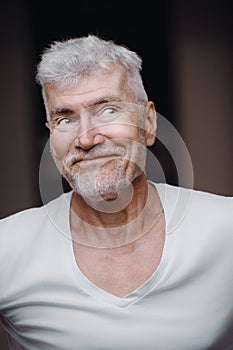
x=117, y=251
x=122, y=270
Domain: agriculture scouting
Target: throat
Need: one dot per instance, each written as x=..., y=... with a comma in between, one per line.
x=121, y=270
x=90, y=227
x=113, y=207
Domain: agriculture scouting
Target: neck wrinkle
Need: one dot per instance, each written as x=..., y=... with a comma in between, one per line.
x=103, y=230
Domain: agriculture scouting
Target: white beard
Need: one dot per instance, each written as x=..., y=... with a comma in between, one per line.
x=106, y=184
x=106, y=187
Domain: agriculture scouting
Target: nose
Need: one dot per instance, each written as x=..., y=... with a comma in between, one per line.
x=88, y=135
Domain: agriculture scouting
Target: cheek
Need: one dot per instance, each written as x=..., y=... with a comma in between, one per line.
x=127, y=132
x=59, y=145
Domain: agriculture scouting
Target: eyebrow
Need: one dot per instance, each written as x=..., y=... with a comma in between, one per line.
x=105, y=99
x=61, y=111
x=69, y=111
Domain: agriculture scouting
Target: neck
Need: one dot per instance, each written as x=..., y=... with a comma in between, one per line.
x=97, y=228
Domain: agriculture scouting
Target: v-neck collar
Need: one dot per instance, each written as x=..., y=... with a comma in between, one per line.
x=62, y=222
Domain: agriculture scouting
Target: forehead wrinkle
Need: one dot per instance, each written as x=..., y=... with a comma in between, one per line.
x=82, y=93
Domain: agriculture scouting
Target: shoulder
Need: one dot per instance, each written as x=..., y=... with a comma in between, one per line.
x=198, y=199
x=212, y=207
x=23, y=226
x=27, y=239
x=200, y=225
x=198, y=208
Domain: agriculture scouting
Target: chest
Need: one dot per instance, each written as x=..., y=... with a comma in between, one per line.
x=151, y=323
x=121, y=270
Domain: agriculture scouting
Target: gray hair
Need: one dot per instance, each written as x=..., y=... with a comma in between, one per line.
x=66, y=62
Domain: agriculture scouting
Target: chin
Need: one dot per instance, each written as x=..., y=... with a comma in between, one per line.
x=107, y=197
x=107, y=182
x=112, y=191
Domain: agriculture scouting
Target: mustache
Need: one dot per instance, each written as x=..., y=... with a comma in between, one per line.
x=93, y=153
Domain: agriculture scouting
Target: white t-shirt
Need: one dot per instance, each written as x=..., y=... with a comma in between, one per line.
x=46, y=303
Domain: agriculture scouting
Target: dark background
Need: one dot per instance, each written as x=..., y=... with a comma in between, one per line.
x=186, y=47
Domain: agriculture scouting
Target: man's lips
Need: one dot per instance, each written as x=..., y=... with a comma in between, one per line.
x=97, y=153
x=96, y=159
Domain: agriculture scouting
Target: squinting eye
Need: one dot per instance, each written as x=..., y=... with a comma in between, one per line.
x=63, y=121
x=108, y=111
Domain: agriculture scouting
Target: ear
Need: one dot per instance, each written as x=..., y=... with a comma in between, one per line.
x=47, y=125
x=150, y=123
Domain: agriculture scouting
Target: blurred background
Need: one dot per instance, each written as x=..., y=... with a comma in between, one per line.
x=187, y=53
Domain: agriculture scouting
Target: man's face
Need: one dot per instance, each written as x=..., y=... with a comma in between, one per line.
x=95, y=138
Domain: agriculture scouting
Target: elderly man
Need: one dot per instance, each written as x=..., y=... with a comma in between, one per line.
x=97, y=268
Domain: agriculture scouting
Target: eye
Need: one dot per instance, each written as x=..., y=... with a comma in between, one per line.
x=108, y=111
x=111, y=110
x=63, y=121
